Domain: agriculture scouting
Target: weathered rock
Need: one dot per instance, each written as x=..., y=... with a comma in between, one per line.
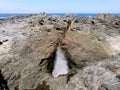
x=84, y=47
x=28, y=46
x=97, y=77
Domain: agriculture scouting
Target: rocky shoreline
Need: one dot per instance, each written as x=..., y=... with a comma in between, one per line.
x=91, y=44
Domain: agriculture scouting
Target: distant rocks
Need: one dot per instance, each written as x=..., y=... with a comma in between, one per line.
x=91, y=45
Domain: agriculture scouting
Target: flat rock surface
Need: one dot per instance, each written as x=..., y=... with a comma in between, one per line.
x=91, y=44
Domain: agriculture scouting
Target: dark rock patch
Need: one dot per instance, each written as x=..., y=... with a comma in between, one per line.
x=3, y=82
x=1, y=43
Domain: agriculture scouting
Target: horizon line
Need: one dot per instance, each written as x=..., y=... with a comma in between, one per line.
x=59, y=13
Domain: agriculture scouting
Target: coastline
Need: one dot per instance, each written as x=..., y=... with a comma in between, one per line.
x=6, y=15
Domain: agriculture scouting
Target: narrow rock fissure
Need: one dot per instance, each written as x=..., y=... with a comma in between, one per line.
x=71, y=65
x=57, y=65
x=52, y=59
x=59, y=61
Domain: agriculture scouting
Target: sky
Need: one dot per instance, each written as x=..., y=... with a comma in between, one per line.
x=60, y=6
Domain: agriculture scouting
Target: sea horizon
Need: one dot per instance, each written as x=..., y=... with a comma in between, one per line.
x=6, y=15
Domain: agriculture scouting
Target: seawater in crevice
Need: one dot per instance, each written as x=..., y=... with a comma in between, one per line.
x=60, y=63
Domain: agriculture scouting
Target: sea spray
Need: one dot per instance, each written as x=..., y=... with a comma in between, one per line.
x=61, y=65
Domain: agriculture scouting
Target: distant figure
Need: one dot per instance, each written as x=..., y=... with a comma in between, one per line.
x=44, y=13
x=68, y=24
x=3, y=83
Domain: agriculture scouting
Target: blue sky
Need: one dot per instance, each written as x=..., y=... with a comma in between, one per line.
x=60, y=6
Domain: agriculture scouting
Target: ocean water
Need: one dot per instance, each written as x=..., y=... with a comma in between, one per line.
x=8, y=15
x=59, y=14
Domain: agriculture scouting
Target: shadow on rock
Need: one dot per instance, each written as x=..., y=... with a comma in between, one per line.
x=3, y=83
x=43, y=86
x=40, y=87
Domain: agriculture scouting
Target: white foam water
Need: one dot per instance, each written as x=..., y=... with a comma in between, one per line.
x=61, y=65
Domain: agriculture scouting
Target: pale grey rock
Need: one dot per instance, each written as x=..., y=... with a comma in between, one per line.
x=97, y=77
